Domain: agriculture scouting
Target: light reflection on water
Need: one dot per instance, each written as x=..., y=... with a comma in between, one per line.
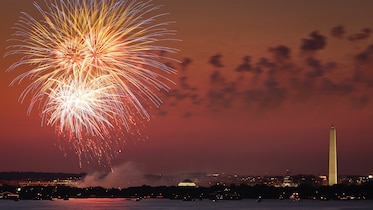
x=165, y=204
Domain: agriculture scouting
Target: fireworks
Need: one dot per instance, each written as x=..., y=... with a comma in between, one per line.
x=94, y=67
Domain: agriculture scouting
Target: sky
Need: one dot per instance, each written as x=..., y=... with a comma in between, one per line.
x=259, y=84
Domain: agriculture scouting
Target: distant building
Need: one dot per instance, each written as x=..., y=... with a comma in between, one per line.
x=45, y=183
x=187, y=183
x=323, y=180
x=288, y=182
x=332, y=157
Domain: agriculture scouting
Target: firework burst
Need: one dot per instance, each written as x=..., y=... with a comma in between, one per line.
x=94, y=68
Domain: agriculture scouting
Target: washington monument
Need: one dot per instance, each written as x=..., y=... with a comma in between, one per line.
x=332, y=157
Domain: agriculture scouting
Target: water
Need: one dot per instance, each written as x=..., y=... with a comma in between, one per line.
x=165, y=204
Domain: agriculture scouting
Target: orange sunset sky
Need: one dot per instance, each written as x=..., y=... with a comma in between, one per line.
x=259, y=84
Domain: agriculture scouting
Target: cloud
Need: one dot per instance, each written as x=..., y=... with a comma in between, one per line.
x=215, y=60
x=184, y=82
x=162, y=113
x=366, y=55
x=187, y=114
x=280, y=52
x=215, y=97
x=364, y=34
x=263, y=63
x=271, y=81
x=328, y=86
x=222, y=96
x=216, y=77
x=253, y=95
x=185, y=63
x=184, y=92
x=245, y=66
x=317, y=69
x=196, y=99
x=274, y=97
x=176, y=94
x=360, y=102
x=338, y=31
x=316, y=42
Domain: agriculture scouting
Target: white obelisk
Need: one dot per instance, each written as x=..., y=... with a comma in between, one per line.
x=332, y=157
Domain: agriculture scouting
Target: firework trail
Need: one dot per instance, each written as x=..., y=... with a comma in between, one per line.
x=94, y=67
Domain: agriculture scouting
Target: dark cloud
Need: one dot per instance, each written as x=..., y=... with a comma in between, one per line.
x=366, y=55
x=257, y=70
x=363, y=76
x=184, y=82
x=184, y=92
x=284, y=79
x=215, y=60
x=185, y=63
x=328, y=86
x=216, y=77
x=187, y=114
x=176, y=94
x=338, y=31
x=273, y=93
x=245, y=66
x=365, y=32
x=317, y=69
x=303, y=88
x=264, y=62
x=316, y=42
x=196, y=99
x=215, y=97
x=358, y=76
x=330, y=66
x=268, y=99
x=277, y=95
x=163, y=113
x=253, y=95
x=223, y=96
x=280, y=52
x=360, y=101
x=271, y=82
x=230, y=88
x=263, y=65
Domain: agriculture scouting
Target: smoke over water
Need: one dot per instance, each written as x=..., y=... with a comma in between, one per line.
x=125, y=175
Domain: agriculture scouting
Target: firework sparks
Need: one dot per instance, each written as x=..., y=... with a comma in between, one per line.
x=93, y=68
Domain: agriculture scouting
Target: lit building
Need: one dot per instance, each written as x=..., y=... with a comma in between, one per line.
x=332, y=157
x=187, y=183
x=323, y=180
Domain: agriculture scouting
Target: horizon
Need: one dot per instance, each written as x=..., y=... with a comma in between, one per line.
x=121, y=180
x=190, y=173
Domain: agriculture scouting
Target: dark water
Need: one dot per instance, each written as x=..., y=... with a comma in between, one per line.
x=165, y=204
